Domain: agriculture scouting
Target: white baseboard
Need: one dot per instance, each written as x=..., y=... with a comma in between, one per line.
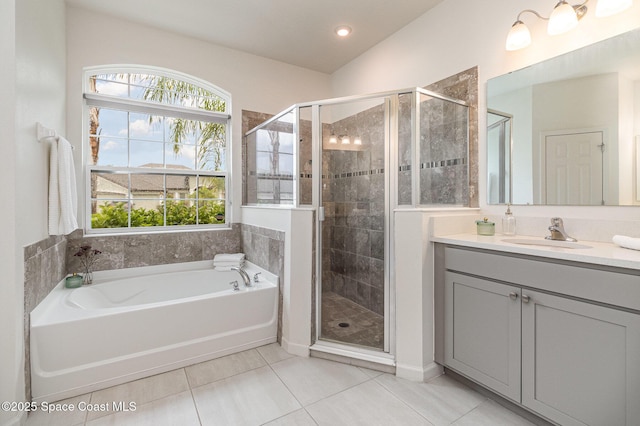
x=418, y=374
x=295, y=348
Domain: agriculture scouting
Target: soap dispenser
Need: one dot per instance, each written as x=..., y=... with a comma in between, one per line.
x=508, y=222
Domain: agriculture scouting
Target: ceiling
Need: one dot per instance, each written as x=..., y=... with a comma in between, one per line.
x=297, y=32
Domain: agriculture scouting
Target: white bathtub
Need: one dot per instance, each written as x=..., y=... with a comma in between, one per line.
x=138, y=322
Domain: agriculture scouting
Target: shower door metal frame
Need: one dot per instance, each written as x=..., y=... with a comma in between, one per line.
x=387, y=356
x=391, y=100
x=416, y=201
x=505, y=160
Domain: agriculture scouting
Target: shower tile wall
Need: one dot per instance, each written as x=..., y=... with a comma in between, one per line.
x=404, y=149
x=304, y=152
x=353, y=197
x=462, y=86
x=445, y=162
x=443, y=153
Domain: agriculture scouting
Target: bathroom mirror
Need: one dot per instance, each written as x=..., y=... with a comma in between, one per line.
x=563, y=131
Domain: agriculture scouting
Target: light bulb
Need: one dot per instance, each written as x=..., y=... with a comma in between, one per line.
x=346, y=140
x=611, y=7
x=562, y=19
x=518, y=37
x=333, y=139
x=343, y=31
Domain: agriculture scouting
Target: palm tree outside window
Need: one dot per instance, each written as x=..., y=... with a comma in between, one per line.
x=158, y=150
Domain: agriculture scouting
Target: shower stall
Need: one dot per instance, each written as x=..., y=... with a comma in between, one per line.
x=355, y=160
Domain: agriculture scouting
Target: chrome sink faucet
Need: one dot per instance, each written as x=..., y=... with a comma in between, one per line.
x=557, y=231
x=244, y=275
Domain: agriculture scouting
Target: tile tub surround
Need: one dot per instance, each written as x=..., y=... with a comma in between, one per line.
x=265, y=248
x=282, y=389
x=128, y=251
x=44, y=267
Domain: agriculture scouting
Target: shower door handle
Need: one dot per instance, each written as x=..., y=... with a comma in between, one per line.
x=321, y=214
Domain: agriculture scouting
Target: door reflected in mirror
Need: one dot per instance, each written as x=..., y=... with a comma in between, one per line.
x=572, y=122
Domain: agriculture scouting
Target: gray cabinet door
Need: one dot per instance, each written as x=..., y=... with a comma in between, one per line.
x=580, y=362
x=482, y=332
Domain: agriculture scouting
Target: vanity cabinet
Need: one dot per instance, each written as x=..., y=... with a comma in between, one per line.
x=482, y=330
x=569, y=358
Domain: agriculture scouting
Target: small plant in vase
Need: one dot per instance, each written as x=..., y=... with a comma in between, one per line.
x=87, y=257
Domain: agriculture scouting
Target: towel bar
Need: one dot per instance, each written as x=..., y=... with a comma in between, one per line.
x=44, y=133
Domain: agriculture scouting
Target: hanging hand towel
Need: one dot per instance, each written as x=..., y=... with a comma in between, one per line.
x=63, y=198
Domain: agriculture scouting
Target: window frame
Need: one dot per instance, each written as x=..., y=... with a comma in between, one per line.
x=92, y=99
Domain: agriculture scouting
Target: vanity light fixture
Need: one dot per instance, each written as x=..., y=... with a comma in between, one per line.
x=611, y=7
x=344, y=139
x=564, y=17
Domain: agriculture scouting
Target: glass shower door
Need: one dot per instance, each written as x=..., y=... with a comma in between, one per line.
x=353, y=294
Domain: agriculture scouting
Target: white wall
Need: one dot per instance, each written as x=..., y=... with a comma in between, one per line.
x=33, y=89
x=255, y=83
x=626, y=142
x=10, y=312
x=459, y=34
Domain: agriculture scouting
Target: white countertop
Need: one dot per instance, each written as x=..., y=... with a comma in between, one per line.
x=607, y=254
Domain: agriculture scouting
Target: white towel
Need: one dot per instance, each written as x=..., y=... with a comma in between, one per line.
x=241, y=263
x=627, y=242
x=63, y=198
x=229, y=257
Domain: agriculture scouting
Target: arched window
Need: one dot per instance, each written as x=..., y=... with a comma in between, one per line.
x=157, y=150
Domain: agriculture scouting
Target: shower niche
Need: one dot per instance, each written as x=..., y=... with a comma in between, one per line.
x=355, y=160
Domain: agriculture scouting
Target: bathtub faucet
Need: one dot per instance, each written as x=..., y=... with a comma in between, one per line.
x=243, y=274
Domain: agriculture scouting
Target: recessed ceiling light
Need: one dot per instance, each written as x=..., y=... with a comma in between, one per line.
x=343, y=31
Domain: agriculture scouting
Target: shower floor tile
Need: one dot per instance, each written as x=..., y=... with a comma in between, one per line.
x=366, y=328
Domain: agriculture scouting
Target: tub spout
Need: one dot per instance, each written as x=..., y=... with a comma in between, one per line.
x=244, y=275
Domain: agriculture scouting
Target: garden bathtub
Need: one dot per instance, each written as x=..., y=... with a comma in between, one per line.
x=138, y=322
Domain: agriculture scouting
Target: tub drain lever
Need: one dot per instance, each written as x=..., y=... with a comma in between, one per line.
x=235, y=285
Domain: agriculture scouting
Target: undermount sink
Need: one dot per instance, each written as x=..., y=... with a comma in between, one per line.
x=546, y=243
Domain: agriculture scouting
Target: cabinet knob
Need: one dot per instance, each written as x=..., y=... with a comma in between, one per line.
x=513, y=295
x=525, y=298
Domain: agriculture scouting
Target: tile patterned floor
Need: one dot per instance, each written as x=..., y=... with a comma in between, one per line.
x=267, y=386
x=366, y=328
